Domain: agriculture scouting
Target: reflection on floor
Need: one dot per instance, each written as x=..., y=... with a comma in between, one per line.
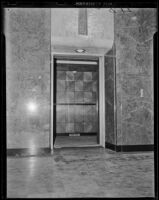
x=81, y=172
x=75, y=141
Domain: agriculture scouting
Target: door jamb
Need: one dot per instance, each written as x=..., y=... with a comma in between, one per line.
x=102, y=130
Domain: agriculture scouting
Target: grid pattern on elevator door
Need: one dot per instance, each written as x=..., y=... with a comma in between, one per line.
x=76, y=97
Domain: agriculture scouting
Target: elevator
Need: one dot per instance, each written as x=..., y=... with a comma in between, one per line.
x=76, y=102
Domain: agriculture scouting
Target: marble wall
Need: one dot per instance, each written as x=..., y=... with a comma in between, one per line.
x=110, y=122
x=134, y=75
x=28, y=42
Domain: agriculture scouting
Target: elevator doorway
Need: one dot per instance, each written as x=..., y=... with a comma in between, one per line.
x=76, y=97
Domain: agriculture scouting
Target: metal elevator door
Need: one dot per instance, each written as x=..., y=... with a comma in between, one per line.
x=76, y=98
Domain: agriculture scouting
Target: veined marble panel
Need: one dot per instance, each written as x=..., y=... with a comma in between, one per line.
x=133, y=57
x=109, y=98
x=110, y=129
x=109, y=93
x=132, y=86
x=28, y=77
x=137, y=123
x=134, y=134
x=131, y=105
x=134, y=79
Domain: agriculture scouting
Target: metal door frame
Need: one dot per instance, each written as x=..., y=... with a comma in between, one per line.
x=101, y=101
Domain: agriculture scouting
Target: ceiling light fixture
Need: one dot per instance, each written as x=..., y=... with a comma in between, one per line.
x=80, y=50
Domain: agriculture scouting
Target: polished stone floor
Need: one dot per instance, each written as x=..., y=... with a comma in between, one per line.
x=81, y=172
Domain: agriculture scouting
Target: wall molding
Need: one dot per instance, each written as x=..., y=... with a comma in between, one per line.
x=129, y=148
x=101, y=103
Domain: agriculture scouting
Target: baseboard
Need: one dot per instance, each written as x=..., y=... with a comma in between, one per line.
x=129, y=148
x=23, y=152
x=110, y=146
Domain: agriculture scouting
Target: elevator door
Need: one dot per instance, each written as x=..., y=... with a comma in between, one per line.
x=76, y=99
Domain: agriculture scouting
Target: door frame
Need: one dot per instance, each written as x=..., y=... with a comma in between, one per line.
x=101, y=101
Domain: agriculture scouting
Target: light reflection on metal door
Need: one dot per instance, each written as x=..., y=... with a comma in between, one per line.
x=76, y=99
